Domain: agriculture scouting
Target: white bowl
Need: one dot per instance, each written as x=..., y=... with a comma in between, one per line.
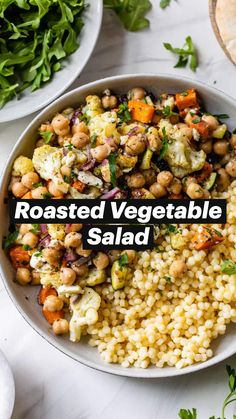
x=25, y=297
x=72, y=66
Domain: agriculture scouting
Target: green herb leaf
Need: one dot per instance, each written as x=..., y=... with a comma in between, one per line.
x=67, y=179
x=46, y=135
x=165, y=144
x=37, y=184
x=26, y=247
x=222, y=116
x=112, y=167
x=124, y=260
x=124, y=113
x=167, y=112
x=38, y=254
x=164, y=3
x=35, y=229
x=132, y=13
x=69, y=146
x=172, y=229
x=187, y=54
x=93, y=140
x=196, y=120
x=188, y=414
x=10, y=239
x=167, y=278
x=228, y=267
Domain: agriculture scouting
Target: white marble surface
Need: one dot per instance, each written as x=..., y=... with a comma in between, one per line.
x=50, y=385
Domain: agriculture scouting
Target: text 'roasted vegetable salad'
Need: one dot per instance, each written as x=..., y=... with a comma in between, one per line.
x=160, y=307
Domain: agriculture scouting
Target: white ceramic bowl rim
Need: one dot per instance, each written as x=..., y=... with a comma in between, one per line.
x=111, y=368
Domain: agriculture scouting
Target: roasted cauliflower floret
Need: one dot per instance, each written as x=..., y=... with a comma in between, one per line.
x=93, y=106
x=104, y=125
x=85, y=312
x=56, y=231
x=22, y=165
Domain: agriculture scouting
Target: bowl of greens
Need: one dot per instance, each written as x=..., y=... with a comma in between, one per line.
x=44, y=45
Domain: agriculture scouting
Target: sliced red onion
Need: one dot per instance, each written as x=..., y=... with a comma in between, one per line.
x=45, y=241
x=70, y=256
x=89, y=155
x=43, y=228
x=111, y=194
x=74, y=117
x=67, y=229
x=133, y=131
x=89, y=165
x=105, y=162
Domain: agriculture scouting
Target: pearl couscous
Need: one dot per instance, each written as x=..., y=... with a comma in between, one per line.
x=159, y=307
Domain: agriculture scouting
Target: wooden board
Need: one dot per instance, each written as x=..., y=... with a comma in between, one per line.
x=212, y=8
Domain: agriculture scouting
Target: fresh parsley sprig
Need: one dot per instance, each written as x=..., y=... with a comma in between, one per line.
x=112, y=167
x=132, y=13
x=164, y=4
x=187, y=54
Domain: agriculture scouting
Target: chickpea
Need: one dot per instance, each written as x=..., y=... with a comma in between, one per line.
x=18, y=189
x=29, y=179
x=114, y=255
x=221, y=147
x=225, y=159
x=30, y=239
x=223, y=180
x=158, y=190
x=80, y=127
x=137, y=93
x=233, y=140
x=150, y=176
x=135, y=145
x=39, y=193
x=67, y=276
x=136, y=180
x=131, y=255
x=109, y=102
x=187, y=180
x=101, y=152
x=60, y=124
x=82, y=252
x=101, y=260
x=154, y=142
x=65, y=171
x=211, y=121
x=35, y=278
x=52, y=189
x=60, y=327
x=53, y=303
x=177, y=268
x=175, y=187
x=81, y=270
x=195, y=191
x=80, y=140
x=231, y=168
x=52, y=256
x=23, y=276
x=72, y=239
x=165, y=178
x=14, y=179
x=76, y=227
x=207, y=146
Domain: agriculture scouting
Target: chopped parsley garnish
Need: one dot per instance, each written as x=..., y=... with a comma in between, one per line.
x=222, y=116
x=124, y=260
x=132, y=13
x=10, y=239
x=228, y=267
x=196, y=120
x=167, y=112
x=26, y=247
x=69, y=146
x=46, y=136
x=84, y=117
x=172, y=229
x=35, y=229
x=184, y=94
x=38, y=254
x=112, y=167
x=93, y=140
x=73, y=175
x=165, y=143
x=67, y=179
x=167, y=278
x=124, y=113
x=187, y=54
x=37, y=185
x=47, y=195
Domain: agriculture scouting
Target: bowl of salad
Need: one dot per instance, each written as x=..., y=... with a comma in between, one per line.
x=43, y=50
x=162, y=312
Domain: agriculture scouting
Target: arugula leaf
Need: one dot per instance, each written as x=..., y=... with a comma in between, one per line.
x=131, y=12
x=228, y=267
x=10, y=239
x=46, y=135
x=187, y=54
x=124, y=260
x=112, y=167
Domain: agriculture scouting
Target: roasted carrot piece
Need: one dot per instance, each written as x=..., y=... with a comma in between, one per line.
x=206, y=238
x=44, y=293
x=52, y=316
x=186, y=99
x=20, y=258
x=204, y=173
x=28, y=195
x=202, y=127
x=141, y=111
x=80, y=186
